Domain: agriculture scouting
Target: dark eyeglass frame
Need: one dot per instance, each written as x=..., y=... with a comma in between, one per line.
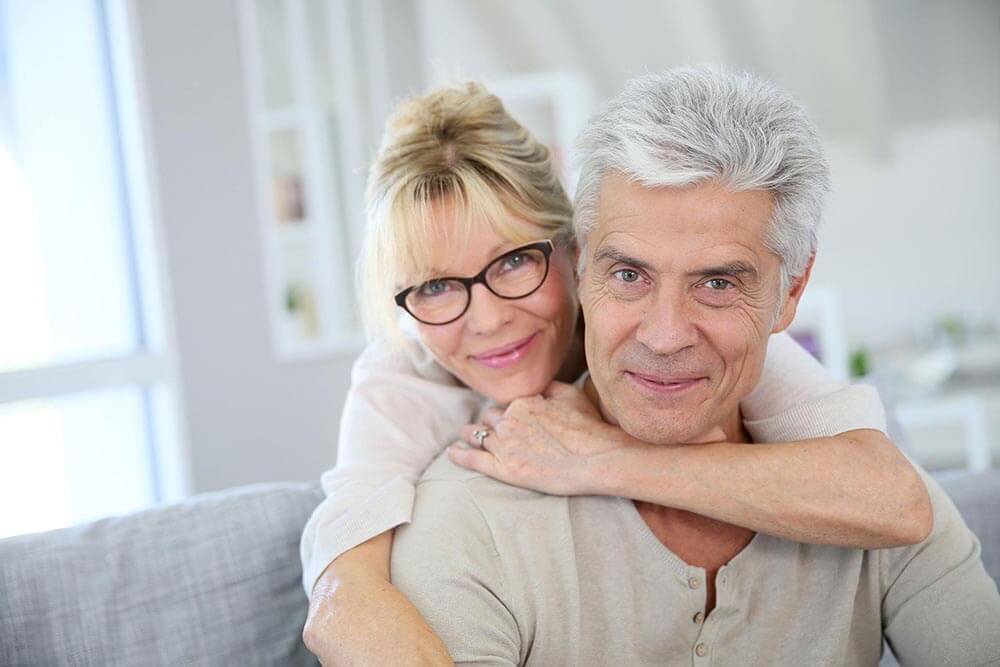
x=546, y=247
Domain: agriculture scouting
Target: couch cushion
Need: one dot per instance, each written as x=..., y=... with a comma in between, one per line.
x=977, y=497
x=214, y=580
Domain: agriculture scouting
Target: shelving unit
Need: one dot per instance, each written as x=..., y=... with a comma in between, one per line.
x=293, y=51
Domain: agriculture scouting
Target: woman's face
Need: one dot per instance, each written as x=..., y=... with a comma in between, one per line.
x=503, y=348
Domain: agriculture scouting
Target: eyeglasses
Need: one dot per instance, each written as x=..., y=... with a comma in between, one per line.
x=512, y=275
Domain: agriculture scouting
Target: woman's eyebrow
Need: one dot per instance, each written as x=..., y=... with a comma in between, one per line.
x=614, y=254
x=501, y=248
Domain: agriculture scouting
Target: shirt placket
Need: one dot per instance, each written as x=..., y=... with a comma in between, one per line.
x=697, y=594
x=704, y=648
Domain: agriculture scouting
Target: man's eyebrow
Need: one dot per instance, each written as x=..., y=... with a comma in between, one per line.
x=734, y=268
x=616, y=255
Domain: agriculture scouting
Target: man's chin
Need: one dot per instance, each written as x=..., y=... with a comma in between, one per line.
x=658, y=429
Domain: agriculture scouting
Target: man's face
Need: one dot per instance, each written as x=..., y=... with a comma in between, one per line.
x=679, y=295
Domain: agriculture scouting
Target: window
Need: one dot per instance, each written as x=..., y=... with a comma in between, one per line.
x=88, y=418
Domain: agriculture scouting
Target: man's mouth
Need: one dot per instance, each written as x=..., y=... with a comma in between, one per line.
x=506, y=355
x=667, y=385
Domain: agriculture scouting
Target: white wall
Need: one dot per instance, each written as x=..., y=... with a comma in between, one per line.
x=911, y=230
x=250, y=417
x=905, y=94
x=915, y=234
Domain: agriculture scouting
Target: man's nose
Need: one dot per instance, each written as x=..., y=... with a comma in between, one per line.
x=487, y=312
x=668, y=325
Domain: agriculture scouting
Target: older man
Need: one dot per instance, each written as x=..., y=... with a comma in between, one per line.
x=696, y=217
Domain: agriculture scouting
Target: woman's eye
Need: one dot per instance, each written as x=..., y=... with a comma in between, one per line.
x=515, y=261
x=433, y=288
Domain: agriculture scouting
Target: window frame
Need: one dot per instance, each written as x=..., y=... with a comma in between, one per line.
x=153, y=368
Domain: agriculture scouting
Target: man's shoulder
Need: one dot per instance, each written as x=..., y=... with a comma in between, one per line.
x=444, y=478
x=467, y=517
x=442, y=469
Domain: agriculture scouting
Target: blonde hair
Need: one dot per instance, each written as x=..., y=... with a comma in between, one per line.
x=459, y=143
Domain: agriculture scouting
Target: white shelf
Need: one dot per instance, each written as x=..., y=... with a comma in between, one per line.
x=290, y=60
x=295, y=232
x=282, y=119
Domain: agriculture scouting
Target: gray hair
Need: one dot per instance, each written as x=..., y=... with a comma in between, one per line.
x=687, y=126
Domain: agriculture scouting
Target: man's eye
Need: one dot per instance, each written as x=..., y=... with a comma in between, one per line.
x=718, y=284
x=717, y=292
x=626, y=275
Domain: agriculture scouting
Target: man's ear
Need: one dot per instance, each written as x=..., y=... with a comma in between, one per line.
x=790, y=298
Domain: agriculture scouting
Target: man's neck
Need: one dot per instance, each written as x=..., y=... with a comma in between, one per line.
x=732, y=429
x=697, y=540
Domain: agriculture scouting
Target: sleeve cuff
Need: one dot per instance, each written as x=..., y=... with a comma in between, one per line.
x=853, y=407
x=330, y=533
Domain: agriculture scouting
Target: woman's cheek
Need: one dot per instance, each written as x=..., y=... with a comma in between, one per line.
x=443, y=342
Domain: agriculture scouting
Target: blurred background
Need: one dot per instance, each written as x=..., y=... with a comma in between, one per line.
x=181, y=209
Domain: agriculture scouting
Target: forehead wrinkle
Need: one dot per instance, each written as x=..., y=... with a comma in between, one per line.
x=613, y=253
x=605, y=250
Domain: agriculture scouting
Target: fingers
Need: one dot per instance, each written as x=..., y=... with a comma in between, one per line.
x=466, y=434
x=492, y=417
x=557, y=389
x=473, y=459
x=472, y=435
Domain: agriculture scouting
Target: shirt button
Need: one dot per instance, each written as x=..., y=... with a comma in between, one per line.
x=701, y=650
x=694, y=582
x=698, y=617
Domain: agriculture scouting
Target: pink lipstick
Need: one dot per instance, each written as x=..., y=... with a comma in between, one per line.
x=506, y=355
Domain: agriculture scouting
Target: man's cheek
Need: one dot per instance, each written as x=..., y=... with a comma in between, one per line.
x=748, y=324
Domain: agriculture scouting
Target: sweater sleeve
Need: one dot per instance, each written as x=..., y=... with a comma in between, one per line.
x=939, y=605
x=796, y=398
x=402, y=409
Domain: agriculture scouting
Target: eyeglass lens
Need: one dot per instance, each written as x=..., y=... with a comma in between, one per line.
x=510, y=276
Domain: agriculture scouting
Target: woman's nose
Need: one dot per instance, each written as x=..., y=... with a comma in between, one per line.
x=487, y=312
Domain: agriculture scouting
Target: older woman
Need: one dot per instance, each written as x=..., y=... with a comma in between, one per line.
x=469, y=242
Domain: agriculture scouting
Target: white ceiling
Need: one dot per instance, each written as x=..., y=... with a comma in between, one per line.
x=857, y=64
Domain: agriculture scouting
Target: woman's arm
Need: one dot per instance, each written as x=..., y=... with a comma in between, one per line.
x=400, y=410
x=357, y=617
x=854, y=489
x=837, y=480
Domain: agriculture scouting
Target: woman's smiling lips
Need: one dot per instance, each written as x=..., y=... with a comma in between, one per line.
x=506, y=355
x=663, y=385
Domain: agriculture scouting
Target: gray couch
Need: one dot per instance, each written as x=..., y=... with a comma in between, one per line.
x=215, y=580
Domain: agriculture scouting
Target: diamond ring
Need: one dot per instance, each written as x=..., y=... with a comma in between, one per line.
x=480, y=435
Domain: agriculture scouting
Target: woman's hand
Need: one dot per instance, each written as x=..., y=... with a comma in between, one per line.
x=555, y=443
